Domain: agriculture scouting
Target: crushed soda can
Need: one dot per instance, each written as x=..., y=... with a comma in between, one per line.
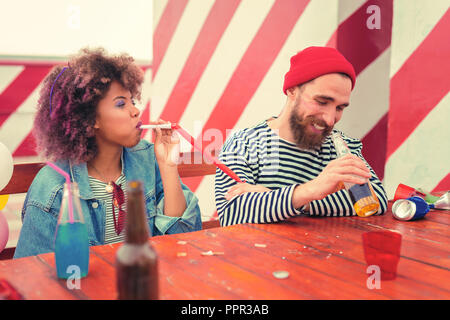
x=443, y=202
x=412, y=208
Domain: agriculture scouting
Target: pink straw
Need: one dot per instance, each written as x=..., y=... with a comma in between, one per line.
x=69, y=187
x=211, y=158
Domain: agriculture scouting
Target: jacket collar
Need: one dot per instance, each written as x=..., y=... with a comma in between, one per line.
x=79, y=174
x=131, y=167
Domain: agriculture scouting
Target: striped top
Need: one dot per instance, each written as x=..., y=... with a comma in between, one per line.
x=98, y=188
x=259, y=156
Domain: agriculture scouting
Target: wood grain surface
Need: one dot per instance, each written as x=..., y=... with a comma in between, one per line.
x=323, y=256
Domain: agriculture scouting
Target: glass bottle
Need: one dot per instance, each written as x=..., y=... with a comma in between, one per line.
x=364, y=200
x=136, y=260
x=71, y=240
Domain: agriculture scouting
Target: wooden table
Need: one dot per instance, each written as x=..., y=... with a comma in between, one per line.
x=324, y=258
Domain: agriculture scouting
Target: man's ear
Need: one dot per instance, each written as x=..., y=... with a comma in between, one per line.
x=291, y=93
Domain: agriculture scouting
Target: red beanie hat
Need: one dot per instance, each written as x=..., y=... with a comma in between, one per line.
x=314, y=62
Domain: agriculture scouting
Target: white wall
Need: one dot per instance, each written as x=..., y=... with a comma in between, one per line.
x=57, y=28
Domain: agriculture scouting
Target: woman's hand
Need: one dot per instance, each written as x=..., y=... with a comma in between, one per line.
x=167, y=146
x=244, y=187
x=167, y=152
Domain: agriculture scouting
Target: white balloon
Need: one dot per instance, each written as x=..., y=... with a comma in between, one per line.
x=6, y=166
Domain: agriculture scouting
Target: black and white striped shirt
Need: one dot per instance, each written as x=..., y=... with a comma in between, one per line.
x=259, y=156
x=98, y=188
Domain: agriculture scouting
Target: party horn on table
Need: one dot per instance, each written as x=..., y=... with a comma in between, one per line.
x=403, y=192
x=69, y=186
x=429, y=198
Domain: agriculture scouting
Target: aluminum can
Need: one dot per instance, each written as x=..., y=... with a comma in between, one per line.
x=412, y=208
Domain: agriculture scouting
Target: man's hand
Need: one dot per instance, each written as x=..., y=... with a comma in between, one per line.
x=244, y=187
x=349, y=168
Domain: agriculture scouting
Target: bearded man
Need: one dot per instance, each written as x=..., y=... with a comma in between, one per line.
x=289, y=162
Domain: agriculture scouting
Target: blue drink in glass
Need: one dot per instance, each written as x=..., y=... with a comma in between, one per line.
x=71, y=240
x=71, y=249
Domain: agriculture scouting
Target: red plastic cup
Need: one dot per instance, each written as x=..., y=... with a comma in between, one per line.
x=382, y=249
x=404, y=192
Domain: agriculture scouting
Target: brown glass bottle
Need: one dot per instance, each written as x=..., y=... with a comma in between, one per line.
x=136, y=260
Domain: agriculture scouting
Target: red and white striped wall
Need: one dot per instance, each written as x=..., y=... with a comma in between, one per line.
x=19, y=90
x=220, y=65
x=418, y=149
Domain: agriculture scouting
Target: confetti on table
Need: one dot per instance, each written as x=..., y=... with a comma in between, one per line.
x=181, y=242
x=260, y=245
x=280, y=274
x=211, y=253
x=181, y=254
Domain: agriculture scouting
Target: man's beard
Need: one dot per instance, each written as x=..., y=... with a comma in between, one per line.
x=304, y=138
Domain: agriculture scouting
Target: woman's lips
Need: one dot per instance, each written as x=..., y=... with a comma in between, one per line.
x=139, y=124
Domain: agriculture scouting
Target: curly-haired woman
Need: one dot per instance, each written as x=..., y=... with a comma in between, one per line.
x=88, y=124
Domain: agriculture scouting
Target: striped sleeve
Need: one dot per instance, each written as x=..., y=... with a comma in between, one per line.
x=258, y=156
x=251, y=207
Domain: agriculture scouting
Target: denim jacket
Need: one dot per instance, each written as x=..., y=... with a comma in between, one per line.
x=43, y=200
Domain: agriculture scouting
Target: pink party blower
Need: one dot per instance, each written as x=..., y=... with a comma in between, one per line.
x=195, y=144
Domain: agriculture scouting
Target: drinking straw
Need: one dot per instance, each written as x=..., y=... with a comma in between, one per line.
x=69, y=187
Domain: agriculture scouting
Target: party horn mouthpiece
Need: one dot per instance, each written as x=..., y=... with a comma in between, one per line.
x=161, y=126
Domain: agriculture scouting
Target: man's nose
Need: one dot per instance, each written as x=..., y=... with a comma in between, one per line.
x=330, y=117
